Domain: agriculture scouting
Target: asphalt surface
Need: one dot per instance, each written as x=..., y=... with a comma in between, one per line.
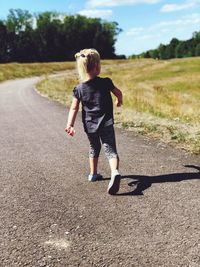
x=50, y=215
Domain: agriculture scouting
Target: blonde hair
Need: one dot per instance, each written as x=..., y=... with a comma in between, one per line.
x=87, y=60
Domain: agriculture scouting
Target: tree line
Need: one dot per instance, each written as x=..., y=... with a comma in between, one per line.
x=175, y=49
x=52, y=36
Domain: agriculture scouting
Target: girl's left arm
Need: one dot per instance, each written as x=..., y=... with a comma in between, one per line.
x=72, y=116
x=119, y=96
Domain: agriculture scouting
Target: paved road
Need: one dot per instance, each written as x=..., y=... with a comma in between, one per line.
x=51, y=216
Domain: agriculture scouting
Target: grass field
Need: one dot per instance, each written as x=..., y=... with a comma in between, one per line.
x=15, y=70
x=161, y=98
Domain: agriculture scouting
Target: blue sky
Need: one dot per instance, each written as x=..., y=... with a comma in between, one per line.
x=145, y=23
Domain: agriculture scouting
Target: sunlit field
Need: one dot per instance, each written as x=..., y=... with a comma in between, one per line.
x=15, y=70
x=161, y=98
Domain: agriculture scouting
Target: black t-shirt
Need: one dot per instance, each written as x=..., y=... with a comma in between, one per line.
x=97, y=105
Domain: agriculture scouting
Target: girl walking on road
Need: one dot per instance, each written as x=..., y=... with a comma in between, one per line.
x=97, y=114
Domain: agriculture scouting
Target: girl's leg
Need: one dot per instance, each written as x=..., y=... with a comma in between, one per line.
x=93, y=165
x=94, y=151
x=114, y=163
x=109, y=143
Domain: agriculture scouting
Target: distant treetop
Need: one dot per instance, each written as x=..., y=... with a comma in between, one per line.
x=52, y=36
x=175, y=49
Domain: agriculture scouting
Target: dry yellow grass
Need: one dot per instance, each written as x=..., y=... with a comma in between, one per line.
x=161, y=98
x=16, y=70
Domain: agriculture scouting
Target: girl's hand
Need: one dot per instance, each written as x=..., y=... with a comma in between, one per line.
x=119, y=96
x=118, y=102
x=70, y=130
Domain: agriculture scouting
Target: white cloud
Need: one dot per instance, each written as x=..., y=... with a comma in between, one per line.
x=178, y=7
x=148, y=37
x=101, y=3
x=171, y=27
x=96, y=13
x=166, y=26
x=185, y=20
x=134, y=31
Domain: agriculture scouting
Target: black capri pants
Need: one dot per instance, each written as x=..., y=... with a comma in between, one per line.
x=106, y=136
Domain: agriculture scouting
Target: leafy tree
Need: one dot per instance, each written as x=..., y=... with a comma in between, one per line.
x=147, y=54
x=162, y=51
x=54, y=36
x=47, y=36
x=19, y=25
x=176, y=48
x=3, y=42
x=180, y=50
x=171, y=48
x=19, y=20
x=197, y=50
x=154, y=54
x=196, y=35
x=106, y=39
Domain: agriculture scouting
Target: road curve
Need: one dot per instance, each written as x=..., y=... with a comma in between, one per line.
x=50, y=215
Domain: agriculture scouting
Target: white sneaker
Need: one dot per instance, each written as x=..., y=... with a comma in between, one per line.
x=94, y=177
x=114, y=183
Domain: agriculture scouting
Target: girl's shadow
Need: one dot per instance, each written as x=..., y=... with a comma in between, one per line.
x=144, y=182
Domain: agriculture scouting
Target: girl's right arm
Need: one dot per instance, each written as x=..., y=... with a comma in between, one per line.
x=72, y=116
x=119, y=96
